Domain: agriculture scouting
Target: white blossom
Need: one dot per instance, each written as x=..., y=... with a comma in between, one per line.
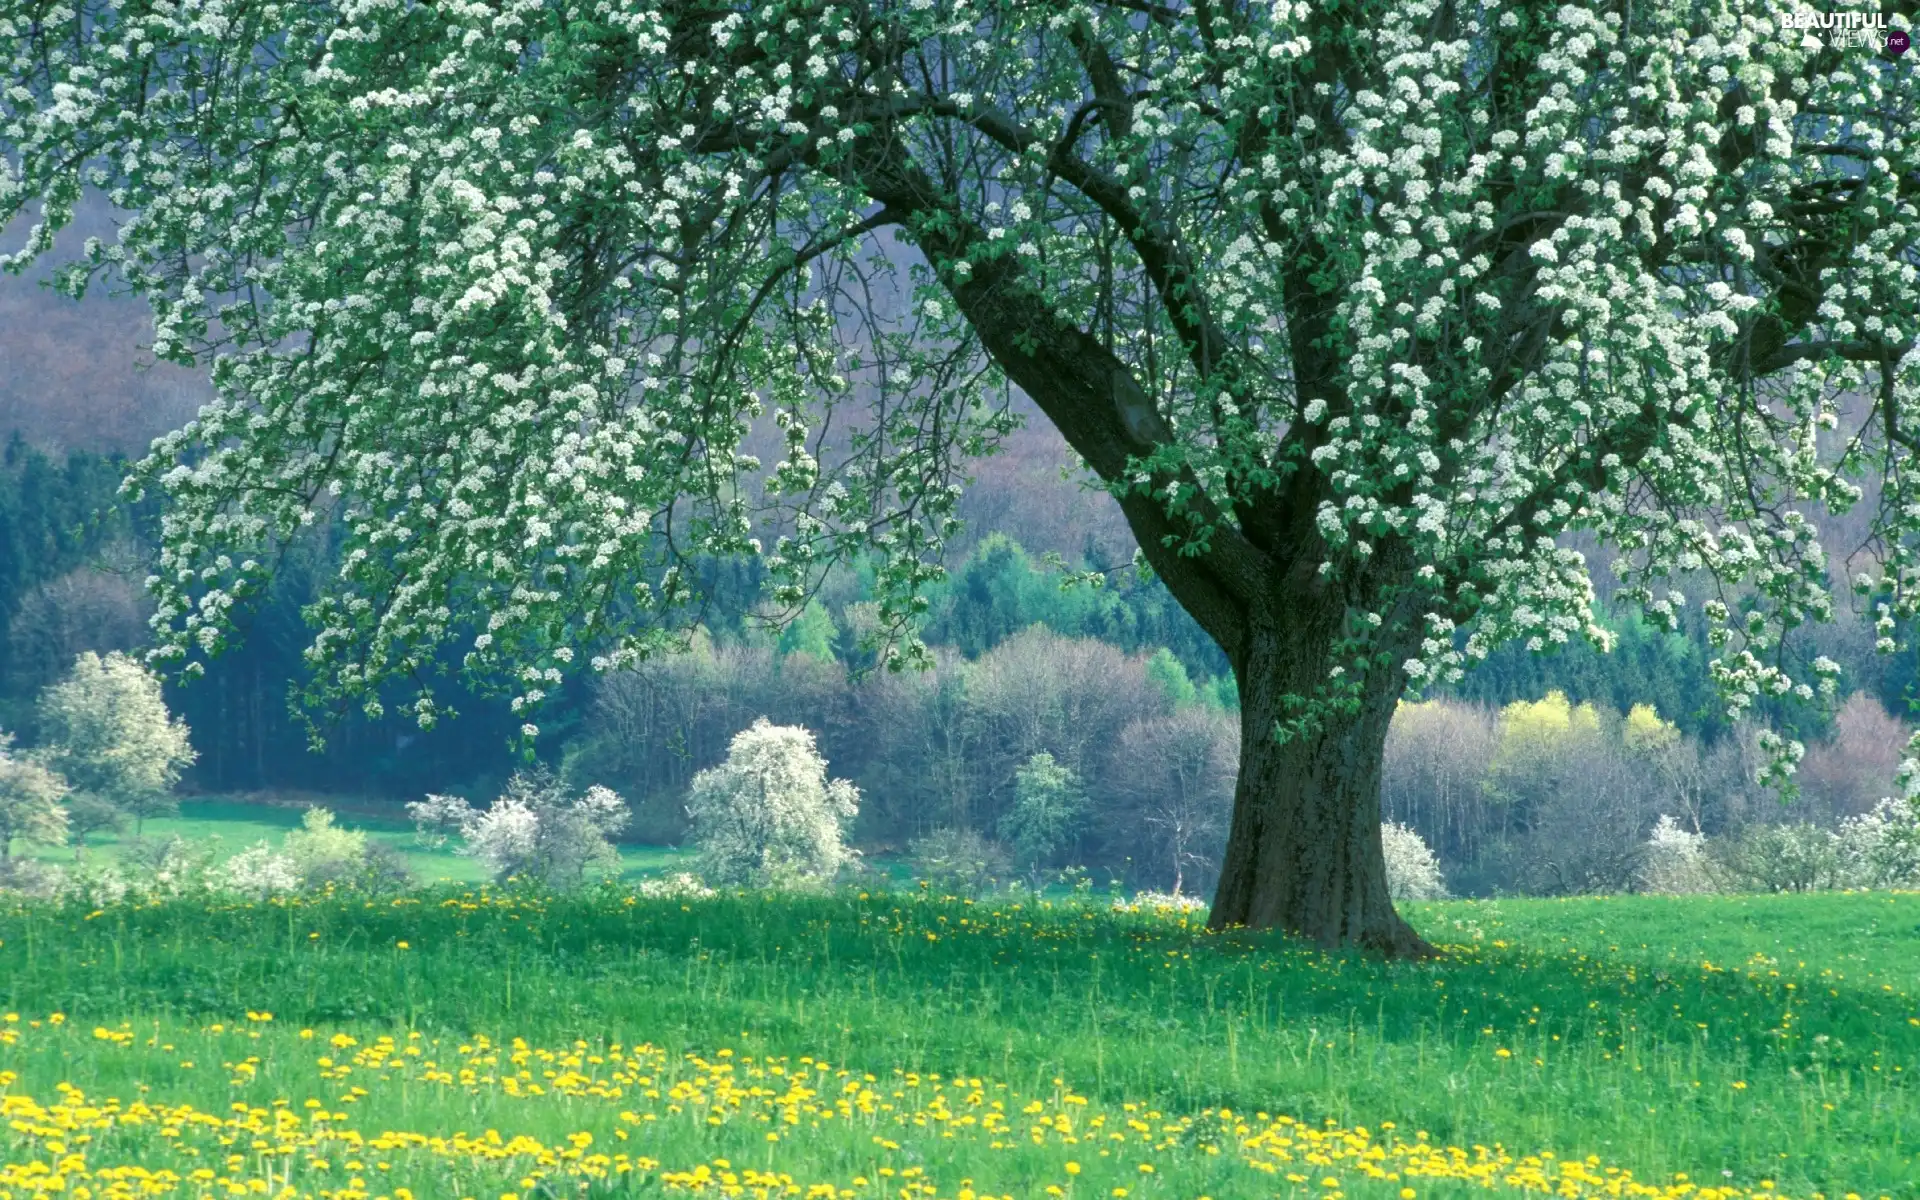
x=1675, y=861
x=1413, y=871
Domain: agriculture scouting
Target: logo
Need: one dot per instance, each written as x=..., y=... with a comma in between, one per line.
x=1848, y=20
x=1847, y=29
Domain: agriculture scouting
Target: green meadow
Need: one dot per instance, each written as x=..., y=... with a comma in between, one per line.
x=493, y=1043
x=233, y=825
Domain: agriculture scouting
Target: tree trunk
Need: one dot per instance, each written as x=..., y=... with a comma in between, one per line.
x=1304, y=851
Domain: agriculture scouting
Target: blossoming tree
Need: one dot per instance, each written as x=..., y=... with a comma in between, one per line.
x=1355, y=305
x=768, y=814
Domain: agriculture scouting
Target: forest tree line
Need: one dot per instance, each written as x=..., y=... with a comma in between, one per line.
x=1115, y=684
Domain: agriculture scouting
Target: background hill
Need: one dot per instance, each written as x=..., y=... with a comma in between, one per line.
x=74, y=375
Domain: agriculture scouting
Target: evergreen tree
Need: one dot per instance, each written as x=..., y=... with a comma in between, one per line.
x=1166, y=673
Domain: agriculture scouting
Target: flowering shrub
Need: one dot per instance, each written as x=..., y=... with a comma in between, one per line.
x=1798, y=857
x=30, y=801
x=536, y=830
x=30, y=877
x=1881, y=848
x=320, y=850
x=95, y=885
x=679, y=886
x=768, y=814
x=259, y=872
x=1674, y=862
x=1413, y=873
x=157, y=868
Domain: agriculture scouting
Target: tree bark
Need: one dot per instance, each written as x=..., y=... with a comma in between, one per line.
x=1304, y=853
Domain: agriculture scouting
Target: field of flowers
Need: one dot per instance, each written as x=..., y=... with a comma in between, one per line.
x=498, y=1044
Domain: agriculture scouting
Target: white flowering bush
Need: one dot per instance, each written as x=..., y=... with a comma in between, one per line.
x=503, y=835
x=1790, y=857
x=157, y=869
x=1413, y=872
x=768, y=815
x=31, y=877
x=536, y=830
x=31, y=801
x=439, y=818
x=96, y=885
x=681, y=885
x=1881, y=847
x=259, y=872
x=1355, y=327
x=160, y=868
x=1674, y=861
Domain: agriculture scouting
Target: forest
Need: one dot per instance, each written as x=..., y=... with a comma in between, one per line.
x=1111, y=679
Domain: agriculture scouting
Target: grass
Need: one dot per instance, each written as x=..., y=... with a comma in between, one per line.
x=908, y=1045
x=238, y=825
